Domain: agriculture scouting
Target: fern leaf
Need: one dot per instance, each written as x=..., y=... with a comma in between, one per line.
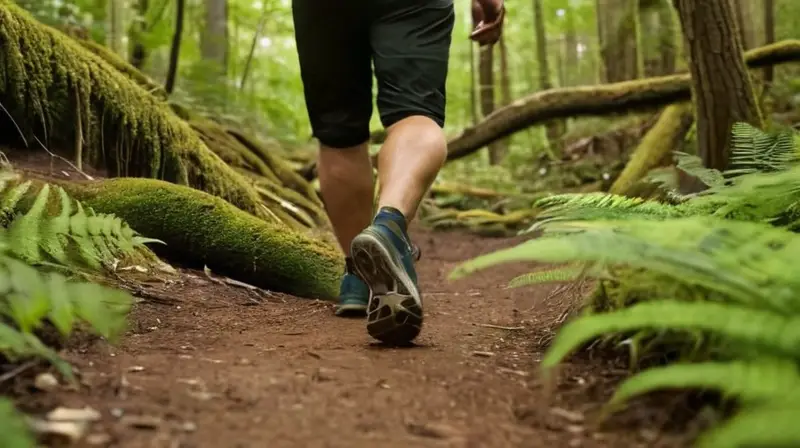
x=748, y=381
x=761, y=426
x=16, y=345
x=14, y=432
x=563, y=274
x=27, y=300
x=769, y=331
x=753, y=150
x=141, y=241
x=693, y=166
x=744, y=261
x=24, y=233
x=601, y=206
x=55, y=229
x=62, y=312
x=12, y=197
x=103, y=308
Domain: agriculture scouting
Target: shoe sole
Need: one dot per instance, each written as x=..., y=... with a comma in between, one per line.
x=394, y=311
x=351, y=310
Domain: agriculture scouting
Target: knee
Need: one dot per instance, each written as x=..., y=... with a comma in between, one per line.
x=420, y=132
x=344, y=164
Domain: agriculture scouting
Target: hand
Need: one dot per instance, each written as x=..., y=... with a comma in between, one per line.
x=487, y=18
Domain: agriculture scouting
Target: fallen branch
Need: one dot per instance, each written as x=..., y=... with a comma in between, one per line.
x=629, y=96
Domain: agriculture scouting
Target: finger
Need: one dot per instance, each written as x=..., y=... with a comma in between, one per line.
x=482, y=31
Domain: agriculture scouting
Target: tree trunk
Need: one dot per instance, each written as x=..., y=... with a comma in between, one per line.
x=473, y=101
x=174, y=52
x=554, y=129
x=214, y=38
x=744, y=12
x=721, y=85
x=486, y=81
x=669, y=37
x=248, y=62
x=505, y=93
x=138, y=56
x=115, y=10
x=573, y=73
x=620, y=39
x=769, y=37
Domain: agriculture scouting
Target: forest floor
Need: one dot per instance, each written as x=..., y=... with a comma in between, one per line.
x=212, y=365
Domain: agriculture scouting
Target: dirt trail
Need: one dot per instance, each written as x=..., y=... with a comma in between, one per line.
x=218, y=369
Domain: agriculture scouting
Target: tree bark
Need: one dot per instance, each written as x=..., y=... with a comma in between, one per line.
x=721, y=85
x=769, y=37
x=486, y=82
x=620, y=39
x=505, y=93
x=214, y=38
x=553, y=129
x=115, y=10
x=174, y=52
x=645, y=94
x=249, y=60
x=138, y=56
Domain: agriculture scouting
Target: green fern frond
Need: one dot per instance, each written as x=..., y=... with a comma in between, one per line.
x=28, y=296
x=773, y=333
x=14, y=432
x=75, y=236
x=760, y=426
x=747, y=262
x=747, y=381
x=753, y=150
x=693, y=165
x=757, y=197
x=601, y=206
x=563, y=274
x=16, y=345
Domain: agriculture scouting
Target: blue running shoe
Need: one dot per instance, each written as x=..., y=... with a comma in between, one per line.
x=353, y=295
x=384, y=259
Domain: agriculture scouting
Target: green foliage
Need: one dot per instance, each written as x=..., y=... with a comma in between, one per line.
x=713, y=273
x=13, y=431
x=54, y=233
x=75, y=236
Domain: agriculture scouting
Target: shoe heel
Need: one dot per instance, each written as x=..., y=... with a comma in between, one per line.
x=394, y=314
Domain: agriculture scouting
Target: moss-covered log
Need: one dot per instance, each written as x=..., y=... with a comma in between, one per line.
x=630, y=96
x=127, y=69
x=201, y=229
x=70, y=98
x=656, y=146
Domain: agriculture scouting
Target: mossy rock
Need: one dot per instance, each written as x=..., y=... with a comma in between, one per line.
x=62, y=93
x=201, y=229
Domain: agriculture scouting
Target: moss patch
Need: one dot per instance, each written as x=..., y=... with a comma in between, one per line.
x=72, y=98
x=202, y=229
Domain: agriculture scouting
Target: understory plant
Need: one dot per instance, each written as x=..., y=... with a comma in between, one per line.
x=46, y=241
x=711, y=277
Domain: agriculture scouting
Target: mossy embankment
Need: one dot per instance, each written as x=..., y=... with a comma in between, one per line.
x=201, y=229
x=68, y=97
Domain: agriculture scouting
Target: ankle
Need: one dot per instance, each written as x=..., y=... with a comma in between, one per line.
x=349, y=266
x=388, y=214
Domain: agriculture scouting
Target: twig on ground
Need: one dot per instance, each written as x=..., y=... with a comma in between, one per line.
x=72, y=165
x=18, y=370
x=499, y=327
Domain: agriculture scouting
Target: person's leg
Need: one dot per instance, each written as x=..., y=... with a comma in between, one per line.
x=334, y=53
x=411, y=45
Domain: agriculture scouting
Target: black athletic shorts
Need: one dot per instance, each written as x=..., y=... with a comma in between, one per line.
x=337, y=42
